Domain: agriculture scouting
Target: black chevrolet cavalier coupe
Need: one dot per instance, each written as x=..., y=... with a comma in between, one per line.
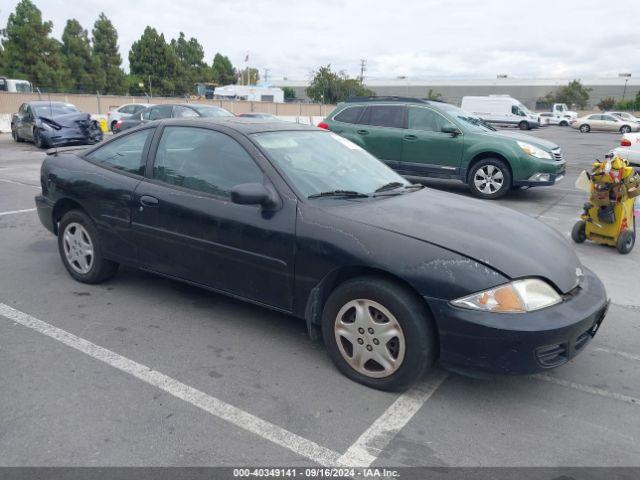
x=394, y=276
x=52, y=124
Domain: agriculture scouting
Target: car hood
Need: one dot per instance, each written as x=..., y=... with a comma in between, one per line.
x=523, y=137
x=68, y=119
x=511, y=243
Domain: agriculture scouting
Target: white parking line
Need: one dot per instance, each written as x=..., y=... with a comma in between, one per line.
x=587, y=388
x=366, y=449
x=14, y=182
x=629, y=356
x=13, y=212
x=209, y=404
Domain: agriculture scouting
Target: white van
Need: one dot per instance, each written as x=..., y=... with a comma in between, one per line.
x=15, y=85
x=502, y=110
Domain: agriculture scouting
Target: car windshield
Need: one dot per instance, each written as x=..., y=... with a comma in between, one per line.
x=317, y=162
x=472, y=123
x=55, y=109
x=213, y=112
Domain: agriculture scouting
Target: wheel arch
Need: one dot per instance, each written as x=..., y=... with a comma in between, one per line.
x=320, y=293
x=61, y=207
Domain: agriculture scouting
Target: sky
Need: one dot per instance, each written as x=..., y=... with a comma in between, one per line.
x=419, y=39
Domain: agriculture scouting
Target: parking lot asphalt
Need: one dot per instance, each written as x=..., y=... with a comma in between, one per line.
x=146, y=371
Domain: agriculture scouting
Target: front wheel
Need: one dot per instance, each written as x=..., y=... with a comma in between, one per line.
x=81, y=250
x=524, y=125
x=626, y=241
x=625, y=129
x=585, y=128
x=490, y=178
x=564, y=123
x=38, y=140
x=378, y=333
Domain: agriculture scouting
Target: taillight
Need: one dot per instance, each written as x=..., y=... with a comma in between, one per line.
x=118, y=125
x=625, y=142
x=323, y=125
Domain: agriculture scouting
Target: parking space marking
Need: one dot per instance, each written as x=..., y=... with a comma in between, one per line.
x=208, y=403
x=586, y=388
x=13, y=212
x=15, y=182
x=629, y=356
x=368, y=446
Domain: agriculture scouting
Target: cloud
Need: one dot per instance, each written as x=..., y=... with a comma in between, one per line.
x=417, y=38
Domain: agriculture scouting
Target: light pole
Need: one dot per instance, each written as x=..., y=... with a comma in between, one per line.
x=626, y=76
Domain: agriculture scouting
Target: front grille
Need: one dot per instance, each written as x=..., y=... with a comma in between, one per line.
x=552, y=355
x=557, y=154
x=582, y=340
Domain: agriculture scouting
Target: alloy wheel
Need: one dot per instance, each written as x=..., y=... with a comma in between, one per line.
x=369, y=338
x=78, y=248
x=489, y=179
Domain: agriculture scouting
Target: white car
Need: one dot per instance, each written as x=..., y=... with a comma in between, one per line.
x=629, y=148
x=123, y=111
x=624, y=116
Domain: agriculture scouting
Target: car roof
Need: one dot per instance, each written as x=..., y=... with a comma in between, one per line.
x=47, y=102
x=244, y=125
x=392, y=100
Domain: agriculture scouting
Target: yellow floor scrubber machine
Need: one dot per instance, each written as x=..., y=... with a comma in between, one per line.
x=609, y=215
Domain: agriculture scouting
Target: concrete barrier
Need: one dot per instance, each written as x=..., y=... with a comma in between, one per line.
x=5, y=122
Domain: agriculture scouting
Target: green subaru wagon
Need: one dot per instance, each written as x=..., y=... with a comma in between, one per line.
x=423, y=138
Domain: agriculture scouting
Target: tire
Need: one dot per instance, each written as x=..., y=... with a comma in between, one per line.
x=490, y=178
x=408, y=355
x=625, y=129
x=564, y=124
x=77, y=234
x=38, y=140
x=14, y=134
x=578, y=232
x=626, y=241
x=113, y=125
x=524, y=125
x=584, y=128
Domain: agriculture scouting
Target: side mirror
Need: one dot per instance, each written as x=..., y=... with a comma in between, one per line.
x=451, y=130
x=251, y=194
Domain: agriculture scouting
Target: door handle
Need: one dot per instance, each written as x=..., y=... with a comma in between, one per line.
x=363, y=132
x=148, y=201
x=410, y=137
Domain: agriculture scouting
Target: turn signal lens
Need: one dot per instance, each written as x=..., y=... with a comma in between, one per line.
x=516, y=297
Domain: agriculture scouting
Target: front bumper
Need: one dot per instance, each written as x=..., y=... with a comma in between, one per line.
x=478, y=342
x=553, y=179
x=59, y=138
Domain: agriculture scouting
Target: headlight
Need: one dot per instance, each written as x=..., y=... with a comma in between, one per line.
x=516, y=297
x=46, y=126
x=534, y=151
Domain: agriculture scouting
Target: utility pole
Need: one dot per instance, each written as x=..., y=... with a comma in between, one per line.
x=266, y=75
x=363, y=68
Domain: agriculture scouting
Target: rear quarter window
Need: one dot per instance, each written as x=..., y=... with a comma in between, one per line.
x=349, y=115
x=384, y=116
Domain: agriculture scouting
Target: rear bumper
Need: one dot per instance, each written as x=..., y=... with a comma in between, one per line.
x=479, y=342
x=45, y=213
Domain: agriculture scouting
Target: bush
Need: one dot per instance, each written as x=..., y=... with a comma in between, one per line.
x=606, y=103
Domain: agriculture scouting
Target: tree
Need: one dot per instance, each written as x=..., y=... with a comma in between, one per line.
x=109, y=78
x=76, y=49
x=328, y=86
x=29, y=50
x=572, y=94
x=152, y=57
x=606, y=103
x=434, y=95
x=191, y=65
x=250, y=76
x=223, y=72
x=289, y=93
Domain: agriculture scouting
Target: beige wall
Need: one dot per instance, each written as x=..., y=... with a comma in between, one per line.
x=10, y=102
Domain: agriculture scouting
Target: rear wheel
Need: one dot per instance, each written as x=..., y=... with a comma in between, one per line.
x=378, y=333
x=626, y=241
x=490, y=178
x=585, y=128
x=113, y=125
x=579, y=232
x=81, y=250
x=564, y=123
x=625, y=129
x=524, y=125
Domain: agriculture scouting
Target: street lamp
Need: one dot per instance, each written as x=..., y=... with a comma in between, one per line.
x=626, y=77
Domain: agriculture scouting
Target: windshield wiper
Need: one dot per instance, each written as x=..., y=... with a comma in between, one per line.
x=394, y=185
x=339, y=193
